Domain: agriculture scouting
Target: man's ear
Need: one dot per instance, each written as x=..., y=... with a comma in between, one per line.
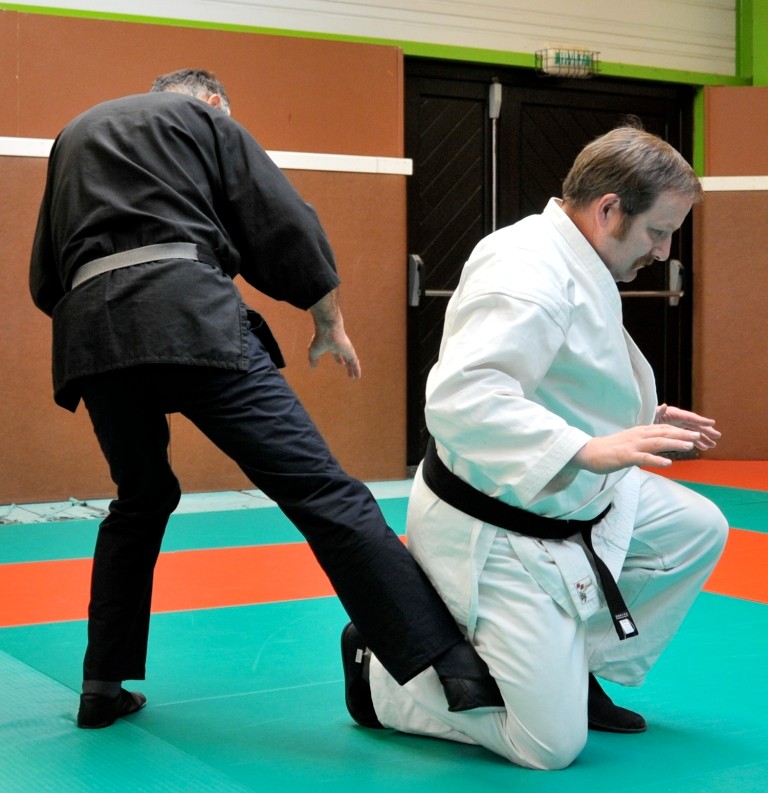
x=214, y=100
x=608, y=211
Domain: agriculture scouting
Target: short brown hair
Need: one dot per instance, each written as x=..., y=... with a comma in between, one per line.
x=632, y=163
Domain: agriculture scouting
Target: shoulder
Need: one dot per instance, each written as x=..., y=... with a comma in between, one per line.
x=520, y=268
x=141, y=109
x=519, y=256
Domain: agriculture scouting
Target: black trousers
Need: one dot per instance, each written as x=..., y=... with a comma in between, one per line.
x=256, y=419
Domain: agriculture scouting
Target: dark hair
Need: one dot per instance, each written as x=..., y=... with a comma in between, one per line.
x=195, y=82
x=632, y=163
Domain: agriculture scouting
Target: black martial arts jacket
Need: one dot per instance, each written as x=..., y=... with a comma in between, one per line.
x=157, y=168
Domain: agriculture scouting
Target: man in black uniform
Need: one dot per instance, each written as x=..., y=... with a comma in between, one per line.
x=152, y=204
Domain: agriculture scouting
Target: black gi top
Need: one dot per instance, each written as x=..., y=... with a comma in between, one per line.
x=155, y=168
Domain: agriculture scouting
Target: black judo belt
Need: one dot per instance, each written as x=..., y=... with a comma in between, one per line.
x=462, y=496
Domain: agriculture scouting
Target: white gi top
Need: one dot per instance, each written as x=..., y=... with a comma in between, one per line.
x=534, y=362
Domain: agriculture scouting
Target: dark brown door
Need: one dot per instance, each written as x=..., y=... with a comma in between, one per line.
x=473, y=173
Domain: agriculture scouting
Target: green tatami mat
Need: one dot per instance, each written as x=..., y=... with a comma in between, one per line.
x=42, y=751
x=252, y=697
x=744, y=509
x=75, y=539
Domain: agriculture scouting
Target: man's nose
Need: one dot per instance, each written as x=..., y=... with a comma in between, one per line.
x=660, y=252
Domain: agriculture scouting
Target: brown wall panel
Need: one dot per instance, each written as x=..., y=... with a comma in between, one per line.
x=8, y=92
x=47, y=454
x=287, y=92
x=363, y=420
x=736, y=120
x=730, y=370
x=293, y=94
x=730, y=328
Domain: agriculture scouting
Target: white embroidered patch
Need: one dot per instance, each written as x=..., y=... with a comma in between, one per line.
x=585, y=589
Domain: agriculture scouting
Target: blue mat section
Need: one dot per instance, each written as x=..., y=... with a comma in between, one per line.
x=254, y=696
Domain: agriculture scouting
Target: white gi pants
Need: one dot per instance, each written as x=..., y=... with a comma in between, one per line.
x=540, y=656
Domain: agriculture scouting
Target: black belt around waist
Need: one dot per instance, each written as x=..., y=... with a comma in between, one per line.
x=143, y=255
x=462, y=496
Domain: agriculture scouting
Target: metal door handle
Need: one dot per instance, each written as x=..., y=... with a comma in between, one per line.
x=415, y=280
x=673, y=294
x=416, y=292
x=415, y=273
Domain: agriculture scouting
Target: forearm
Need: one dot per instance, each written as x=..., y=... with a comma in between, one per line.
x=330, y=335
x=327, y=311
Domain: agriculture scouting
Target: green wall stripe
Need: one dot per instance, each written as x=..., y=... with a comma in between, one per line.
x=759, y=40
x=698, y=133
x=744, y=43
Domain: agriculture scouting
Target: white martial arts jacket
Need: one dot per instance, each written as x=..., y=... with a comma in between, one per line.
x=534, y=362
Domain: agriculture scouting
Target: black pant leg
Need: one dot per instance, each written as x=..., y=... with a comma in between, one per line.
x=133, y=434
x=257, y=420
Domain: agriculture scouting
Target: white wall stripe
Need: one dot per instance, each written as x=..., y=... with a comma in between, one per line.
x=713, y=184
x=348, y=163
x=25, y=147
x=287, y=160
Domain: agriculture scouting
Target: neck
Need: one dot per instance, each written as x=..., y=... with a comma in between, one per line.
x=581, y=219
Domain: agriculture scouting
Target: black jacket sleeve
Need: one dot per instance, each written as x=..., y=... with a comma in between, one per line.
x=45, y=283
x=284, y=250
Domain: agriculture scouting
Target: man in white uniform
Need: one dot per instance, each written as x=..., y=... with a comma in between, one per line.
x=542, y=409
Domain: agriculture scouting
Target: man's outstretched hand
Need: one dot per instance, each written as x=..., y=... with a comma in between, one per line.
x=330, y=336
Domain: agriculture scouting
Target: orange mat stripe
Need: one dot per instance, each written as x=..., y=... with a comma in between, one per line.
x=741, y=570
x=39, y=592
x=748, y=474
x=35, y=592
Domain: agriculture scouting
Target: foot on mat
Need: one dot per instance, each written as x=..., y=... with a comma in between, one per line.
x=604, y=716
x=357, y=689
x=98, y=711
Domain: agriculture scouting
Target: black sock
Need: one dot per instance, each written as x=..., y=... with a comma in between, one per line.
x=104, y=688
x=462, y=661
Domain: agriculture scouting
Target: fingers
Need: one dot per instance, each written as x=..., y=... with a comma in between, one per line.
x=692, y=421
x=668, y=432
x=643, y=445
x=705, y=436
x=655, y=461
x=351, y=364
x=708, y=440
x=674, y=438
x=343, y=354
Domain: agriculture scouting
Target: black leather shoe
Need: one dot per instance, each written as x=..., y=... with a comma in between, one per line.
x=604, y=716
x=357, y=690
x=98, y=711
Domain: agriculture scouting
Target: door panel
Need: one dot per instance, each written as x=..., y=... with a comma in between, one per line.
x=447, y=215
x=544, y=130
x=543, y=125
